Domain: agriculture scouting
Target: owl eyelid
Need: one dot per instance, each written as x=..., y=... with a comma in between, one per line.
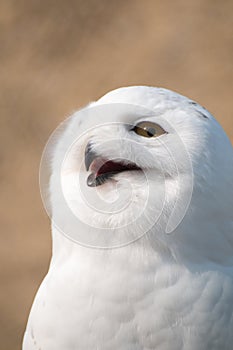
x=134, y=126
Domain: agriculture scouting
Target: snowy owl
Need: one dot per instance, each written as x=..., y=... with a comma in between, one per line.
x=139, y=188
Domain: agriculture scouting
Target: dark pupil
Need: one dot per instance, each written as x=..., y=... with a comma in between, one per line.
x=150, y=131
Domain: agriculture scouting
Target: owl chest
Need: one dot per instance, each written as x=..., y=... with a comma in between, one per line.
x=146, y=308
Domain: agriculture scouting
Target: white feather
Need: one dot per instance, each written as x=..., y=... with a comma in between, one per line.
x=141, y=285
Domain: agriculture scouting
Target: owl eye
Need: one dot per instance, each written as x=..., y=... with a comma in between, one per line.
x=149, y=129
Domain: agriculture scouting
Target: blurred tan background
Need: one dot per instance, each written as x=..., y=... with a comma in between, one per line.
x=55, y=56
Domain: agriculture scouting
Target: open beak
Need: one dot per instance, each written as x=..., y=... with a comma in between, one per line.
x=103, y=169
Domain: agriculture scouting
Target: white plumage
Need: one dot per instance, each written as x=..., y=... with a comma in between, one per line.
x=141, y=200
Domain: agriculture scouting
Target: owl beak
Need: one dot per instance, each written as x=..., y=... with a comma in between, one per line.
x=89, y=156
x=103, y=169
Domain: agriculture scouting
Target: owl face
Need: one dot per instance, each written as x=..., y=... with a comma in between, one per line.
x=131, y=169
